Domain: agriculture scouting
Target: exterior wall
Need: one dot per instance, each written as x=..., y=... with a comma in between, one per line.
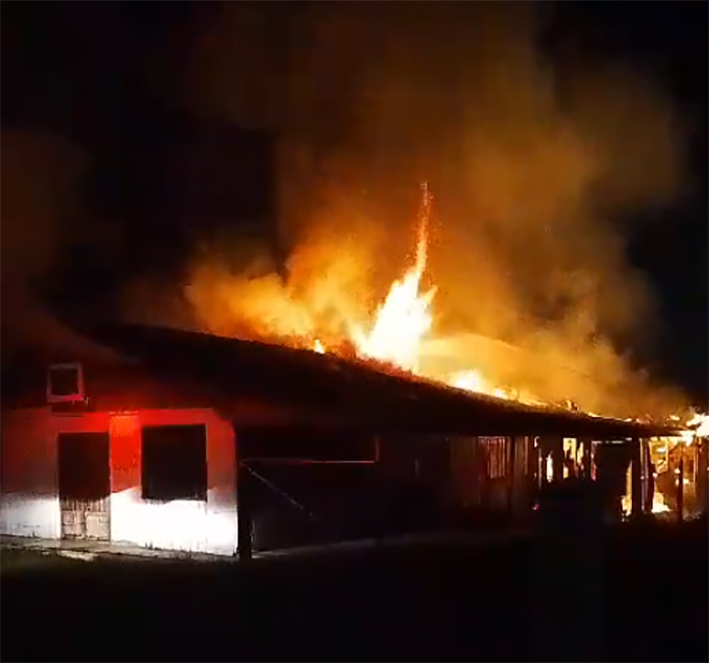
x=489, y=474
x=180, y=524
x=30, y=502
x=28, y=467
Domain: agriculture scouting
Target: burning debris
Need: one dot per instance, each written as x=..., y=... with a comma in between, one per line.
x=673, y=469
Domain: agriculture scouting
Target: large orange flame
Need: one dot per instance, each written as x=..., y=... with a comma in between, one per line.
x=405, y=317
x=394, y=337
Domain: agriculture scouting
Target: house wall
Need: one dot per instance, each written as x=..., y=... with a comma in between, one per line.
x=30, y=502
x=486, y=474
x=28, y=475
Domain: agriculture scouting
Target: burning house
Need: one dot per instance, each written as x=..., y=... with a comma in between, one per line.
x=199, y=443
x=205, y=443
x=213, y=443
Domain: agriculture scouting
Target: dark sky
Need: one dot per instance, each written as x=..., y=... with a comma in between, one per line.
x=108, y=75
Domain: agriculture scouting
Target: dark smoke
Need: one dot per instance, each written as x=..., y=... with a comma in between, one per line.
x=42, y=214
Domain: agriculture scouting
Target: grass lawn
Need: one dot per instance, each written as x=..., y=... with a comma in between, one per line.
x=417, y=602
x=18, y=561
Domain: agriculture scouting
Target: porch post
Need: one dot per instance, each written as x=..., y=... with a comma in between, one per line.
x=636, y=478
x=512, y=478
x=703, y=473
x=557, y=457
x=243, y=506
x=587, y=457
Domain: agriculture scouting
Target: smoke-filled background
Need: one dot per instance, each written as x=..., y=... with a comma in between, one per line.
x=546, y=158
x=536, y=172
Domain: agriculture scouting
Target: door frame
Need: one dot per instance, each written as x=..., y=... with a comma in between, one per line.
x=103, y=438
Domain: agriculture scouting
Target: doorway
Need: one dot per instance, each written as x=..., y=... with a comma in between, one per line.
x=84, y=485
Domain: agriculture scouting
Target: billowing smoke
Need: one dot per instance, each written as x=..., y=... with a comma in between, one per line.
x=41, y=215
x=537, y=172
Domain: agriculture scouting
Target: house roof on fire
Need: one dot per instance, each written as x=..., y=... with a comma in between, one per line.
x=348, y=392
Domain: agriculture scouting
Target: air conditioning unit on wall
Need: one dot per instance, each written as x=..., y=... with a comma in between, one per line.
x=65, y=383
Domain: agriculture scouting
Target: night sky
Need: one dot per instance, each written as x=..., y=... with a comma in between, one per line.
x=108, y=77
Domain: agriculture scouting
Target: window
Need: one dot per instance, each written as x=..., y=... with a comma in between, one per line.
x=65, y=383
x=174, y=463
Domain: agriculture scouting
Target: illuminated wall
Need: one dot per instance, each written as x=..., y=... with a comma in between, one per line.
x=30, y=503
x=28, y=479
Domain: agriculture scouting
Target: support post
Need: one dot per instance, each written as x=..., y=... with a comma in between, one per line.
x=680, y=486
x=586, y=458
x=637, y=456
x=243, y=505
x=524, y=486
x=557, y=458
x=513, y=476
x=533, y=463
x=648, y=480
x=703, y=474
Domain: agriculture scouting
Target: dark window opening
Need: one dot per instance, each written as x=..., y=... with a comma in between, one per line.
x=64, y=381
x=174, y=463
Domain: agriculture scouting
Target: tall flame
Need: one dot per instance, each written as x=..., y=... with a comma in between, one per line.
x=397, y=330
x=404, y=319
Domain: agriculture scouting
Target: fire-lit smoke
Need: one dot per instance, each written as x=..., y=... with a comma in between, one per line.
x=537, y=172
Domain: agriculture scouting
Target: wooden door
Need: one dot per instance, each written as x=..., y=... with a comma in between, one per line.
x=84, y=485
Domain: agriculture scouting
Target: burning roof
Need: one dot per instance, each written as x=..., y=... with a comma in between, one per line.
x=352, y=391
x=318, y=307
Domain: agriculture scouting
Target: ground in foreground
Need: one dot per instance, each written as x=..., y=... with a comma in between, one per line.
x=418, y=602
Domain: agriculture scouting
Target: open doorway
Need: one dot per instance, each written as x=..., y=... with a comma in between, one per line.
x=84, y=485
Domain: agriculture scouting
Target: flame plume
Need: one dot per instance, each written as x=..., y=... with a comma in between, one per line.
x=405, y=317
